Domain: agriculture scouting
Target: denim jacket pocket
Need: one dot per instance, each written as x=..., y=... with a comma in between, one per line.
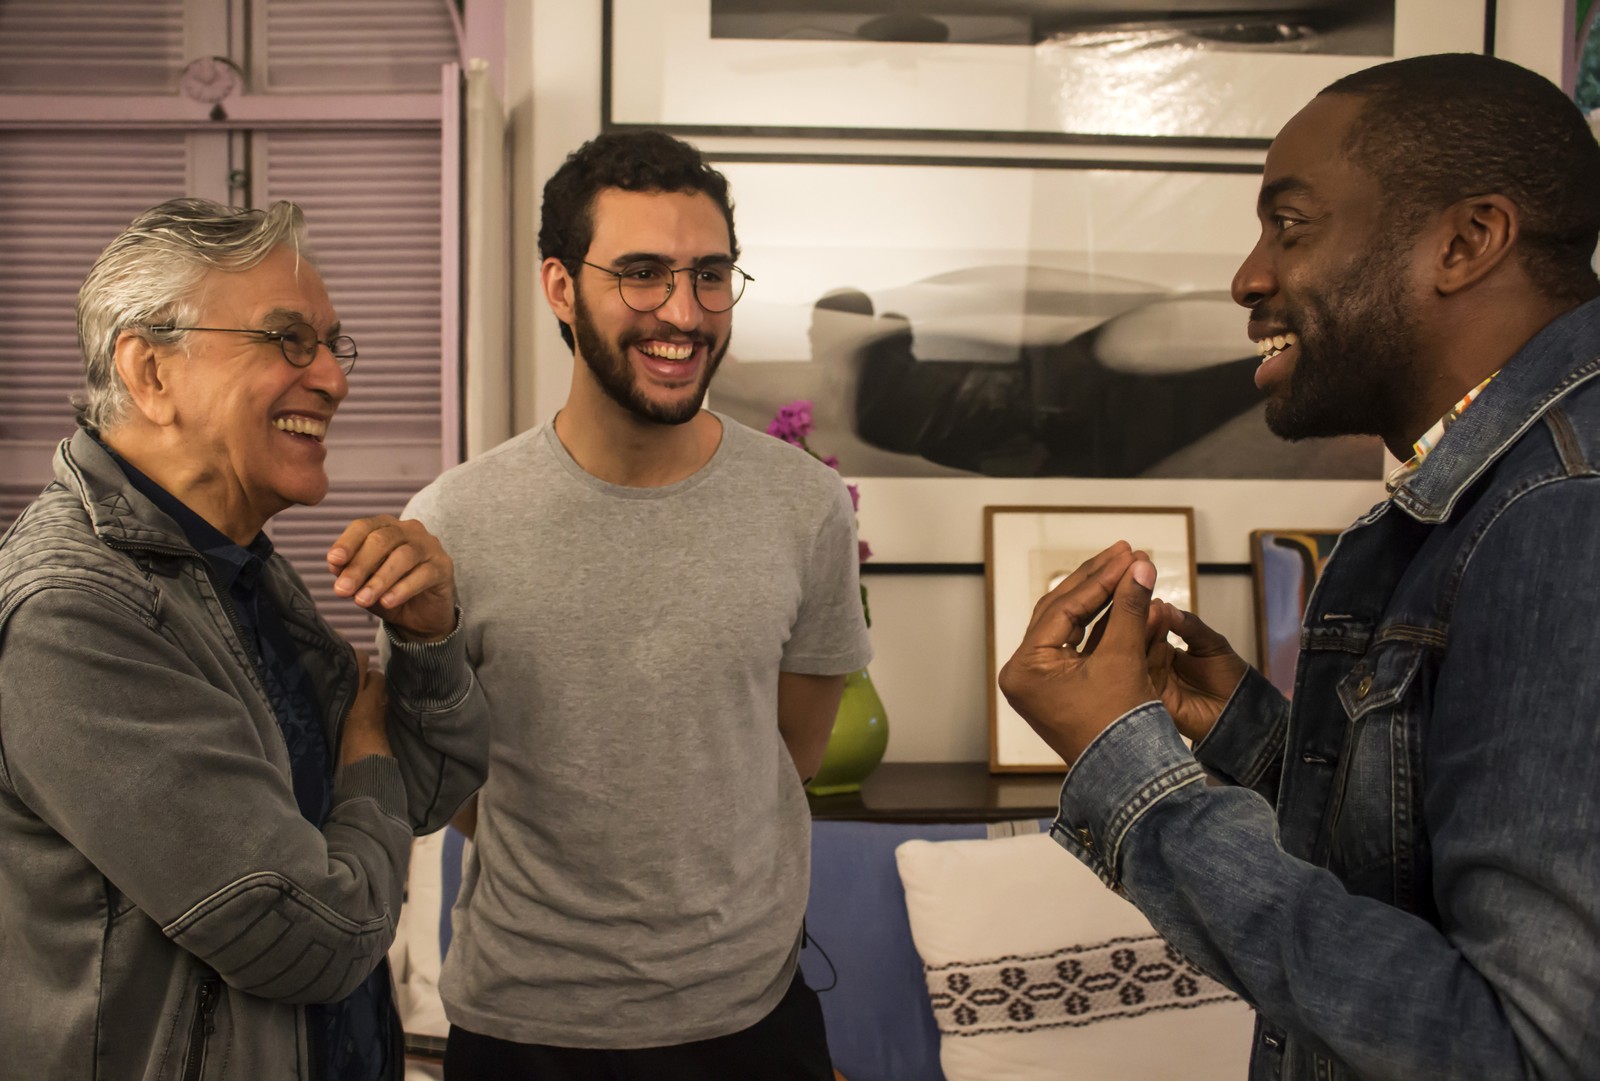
x=1373, y=825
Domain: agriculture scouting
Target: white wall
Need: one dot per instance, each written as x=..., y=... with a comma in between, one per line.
x=928, y=631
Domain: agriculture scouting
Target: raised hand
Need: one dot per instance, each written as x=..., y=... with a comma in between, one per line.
x=1194, y=683
x=1069, y=695
x=398, y=571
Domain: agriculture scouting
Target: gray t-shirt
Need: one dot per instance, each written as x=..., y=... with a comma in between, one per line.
x=643, y=844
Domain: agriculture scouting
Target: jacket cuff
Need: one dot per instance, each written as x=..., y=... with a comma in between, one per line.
x=1248, y=737
x=1129, y=768
x=375, y=777
x=429, y=677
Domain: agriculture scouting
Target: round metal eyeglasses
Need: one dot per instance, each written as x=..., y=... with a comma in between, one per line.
x=298, y=342
x=645, y=284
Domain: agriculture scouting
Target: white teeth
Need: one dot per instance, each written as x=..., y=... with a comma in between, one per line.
x=316, y=429
x=668, y=351
x=1269, y=347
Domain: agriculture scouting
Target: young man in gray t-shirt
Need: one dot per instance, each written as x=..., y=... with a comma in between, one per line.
x=662, y=608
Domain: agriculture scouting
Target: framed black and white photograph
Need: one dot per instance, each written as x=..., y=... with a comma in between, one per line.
x=1182, y=72
x=996, y=320
x=1027, y=552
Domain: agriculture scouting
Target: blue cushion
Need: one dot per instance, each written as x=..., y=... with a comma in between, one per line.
x=880, y=1026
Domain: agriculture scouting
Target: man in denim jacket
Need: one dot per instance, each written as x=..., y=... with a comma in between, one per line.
x=206, y=800
x=1401, y=872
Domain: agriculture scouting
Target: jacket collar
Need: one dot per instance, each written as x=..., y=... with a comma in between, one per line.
x=1555, y=361
x=119, y=513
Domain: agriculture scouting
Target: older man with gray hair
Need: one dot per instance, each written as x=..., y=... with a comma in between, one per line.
x=206, y=798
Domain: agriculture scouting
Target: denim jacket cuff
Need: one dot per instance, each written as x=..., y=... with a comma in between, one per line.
x=1134, y=764
x=429, y=677
x=1248, y=737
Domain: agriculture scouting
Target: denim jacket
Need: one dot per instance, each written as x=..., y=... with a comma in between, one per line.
x=165, y=910
x=1401, y=872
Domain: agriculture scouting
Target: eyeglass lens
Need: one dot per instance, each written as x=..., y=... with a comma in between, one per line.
x=299, y=344
x=646, y=285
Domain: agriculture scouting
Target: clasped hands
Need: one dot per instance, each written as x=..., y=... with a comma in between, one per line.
x=1070, y=689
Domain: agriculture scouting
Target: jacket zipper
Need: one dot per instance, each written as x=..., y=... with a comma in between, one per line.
x=201, y=1028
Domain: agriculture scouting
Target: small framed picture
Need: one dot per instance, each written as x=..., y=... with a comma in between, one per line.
x=1027, y=551
x=1286, y=564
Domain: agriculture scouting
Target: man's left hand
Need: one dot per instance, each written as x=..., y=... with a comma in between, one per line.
x=1070, y=695
x=398, y=571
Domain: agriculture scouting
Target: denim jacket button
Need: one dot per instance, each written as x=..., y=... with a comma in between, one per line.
x=1364, y=687
x=1086, y=838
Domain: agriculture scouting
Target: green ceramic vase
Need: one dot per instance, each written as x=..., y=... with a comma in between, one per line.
x=859, y=738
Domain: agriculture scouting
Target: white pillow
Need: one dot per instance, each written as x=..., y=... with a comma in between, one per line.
x=1035, y=970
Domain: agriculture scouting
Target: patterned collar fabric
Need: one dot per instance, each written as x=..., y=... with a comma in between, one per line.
x=1430, y=439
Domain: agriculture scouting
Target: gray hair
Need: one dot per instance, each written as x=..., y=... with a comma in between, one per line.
x=148, y=276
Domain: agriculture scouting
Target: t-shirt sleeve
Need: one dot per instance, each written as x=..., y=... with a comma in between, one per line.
x=830, y=631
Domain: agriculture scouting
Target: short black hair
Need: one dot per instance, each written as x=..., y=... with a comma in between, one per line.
x=1434, y=130
x=631, y=161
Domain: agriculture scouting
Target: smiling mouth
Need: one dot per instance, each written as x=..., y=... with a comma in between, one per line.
x=667, y=350
x=307, y=427
x=1272, y=345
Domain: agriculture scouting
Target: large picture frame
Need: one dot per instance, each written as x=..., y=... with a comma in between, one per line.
x=1285, y=565
x=985, y=317
x=1063, y=70
x=1027, y=550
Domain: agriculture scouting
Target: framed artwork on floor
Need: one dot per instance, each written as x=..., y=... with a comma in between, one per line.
x=1204, y=73
x=1285, y=564
x=1028, y=550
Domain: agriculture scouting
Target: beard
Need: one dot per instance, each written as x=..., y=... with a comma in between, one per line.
x=1357, y=372
x=608, y=361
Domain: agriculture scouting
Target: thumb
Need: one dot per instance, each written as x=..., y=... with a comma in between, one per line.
x=1130, y=608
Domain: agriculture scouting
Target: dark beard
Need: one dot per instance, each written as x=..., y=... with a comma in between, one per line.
x=1357, y=368
x=616, y=377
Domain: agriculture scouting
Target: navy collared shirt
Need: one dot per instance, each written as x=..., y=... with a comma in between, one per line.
x=351, y=1038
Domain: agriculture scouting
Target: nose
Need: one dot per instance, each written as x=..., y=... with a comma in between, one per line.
x=325, y=376
x=682, y=309
x=1254, y=281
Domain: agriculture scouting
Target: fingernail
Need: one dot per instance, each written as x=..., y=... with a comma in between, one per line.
x=1145, y=574
x=337, y=555
x=343, y=586
x=364, y=597
x=388, y=600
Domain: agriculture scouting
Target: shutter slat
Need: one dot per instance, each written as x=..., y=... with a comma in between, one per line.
x=360, y=46
x=63, y=48
x=41, y=368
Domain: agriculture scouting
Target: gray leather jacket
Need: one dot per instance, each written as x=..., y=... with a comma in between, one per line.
x=165, y=911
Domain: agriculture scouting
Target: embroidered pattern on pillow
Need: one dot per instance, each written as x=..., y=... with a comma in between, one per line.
x=1074, y=986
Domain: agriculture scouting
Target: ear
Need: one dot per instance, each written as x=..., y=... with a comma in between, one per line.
x=559, y=288
x=1478, y=236
x=144, y=372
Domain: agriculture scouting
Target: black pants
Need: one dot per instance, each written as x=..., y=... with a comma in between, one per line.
x=788, y=1044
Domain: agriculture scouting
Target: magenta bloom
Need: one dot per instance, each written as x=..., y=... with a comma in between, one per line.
x=864, y=551
x=793, y=423
x=855, y=496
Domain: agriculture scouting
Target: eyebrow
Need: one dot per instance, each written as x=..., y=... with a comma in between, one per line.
x=284, y=316
x=1282, y=186
x=638, y=256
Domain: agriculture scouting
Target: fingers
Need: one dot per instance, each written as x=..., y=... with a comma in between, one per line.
x=1061, y=615
x=386, y=562
x=1125, y=624
x=1198, y=637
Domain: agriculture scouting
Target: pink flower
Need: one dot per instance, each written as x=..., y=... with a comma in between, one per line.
x=793, y=423
x=832, y=462
x=855, y=496
x=864, y=550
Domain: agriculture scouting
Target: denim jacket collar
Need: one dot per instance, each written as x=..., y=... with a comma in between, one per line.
x=1548, y=367
x=120, y=514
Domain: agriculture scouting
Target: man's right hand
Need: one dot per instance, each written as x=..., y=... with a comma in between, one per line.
x=1194, y=683
x=366, y=726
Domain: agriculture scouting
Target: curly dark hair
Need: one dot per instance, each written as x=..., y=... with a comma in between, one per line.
x=1438, y=129
x=632, y=161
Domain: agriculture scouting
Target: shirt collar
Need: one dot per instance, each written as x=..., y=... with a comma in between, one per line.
x=1430, y=439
